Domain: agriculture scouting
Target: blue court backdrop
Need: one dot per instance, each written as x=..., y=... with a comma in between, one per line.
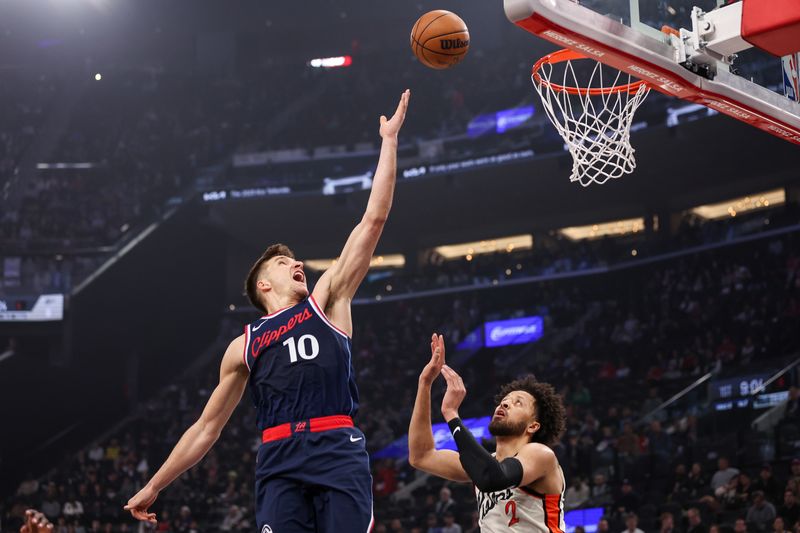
x=442, y=438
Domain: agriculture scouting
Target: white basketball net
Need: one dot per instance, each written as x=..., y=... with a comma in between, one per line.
x=593, y=116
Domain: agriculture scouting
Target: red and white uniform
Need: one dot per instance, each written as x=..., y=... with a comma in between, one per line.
x=521, y=509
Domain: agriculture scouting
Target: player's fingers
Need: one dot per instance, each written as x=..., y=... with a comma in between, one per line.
x=401, y=105
x=447, y=372
x=453, y=377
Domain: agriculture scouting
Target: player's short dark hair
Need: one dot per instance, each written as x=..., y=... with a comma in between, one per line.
x=549, y=409
x=250, y=283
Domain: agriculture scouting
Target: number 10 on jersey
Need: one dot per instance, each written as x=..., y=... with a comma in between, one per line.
x=306, y=346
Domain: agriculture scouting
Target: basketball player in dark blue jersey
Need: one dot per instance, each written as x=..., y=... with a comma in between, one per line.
x=312, y=469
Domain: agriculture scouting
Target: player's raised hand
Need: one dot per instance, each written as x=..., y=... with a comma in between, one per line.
x=35, y=522
x=434, y=366
x=456, y=391
x=140, y=502
x=391, y=127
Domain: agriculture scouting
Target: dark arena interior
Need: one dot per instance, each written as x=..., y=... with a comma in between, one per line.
x=150, y=151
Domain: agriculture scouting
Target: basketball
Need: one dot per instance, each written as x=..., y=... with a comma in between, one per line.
x=440, y=39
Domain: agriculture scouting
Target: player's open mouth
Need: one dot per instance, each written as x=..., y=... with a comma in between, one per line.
x=499, y=414
x=299, y=276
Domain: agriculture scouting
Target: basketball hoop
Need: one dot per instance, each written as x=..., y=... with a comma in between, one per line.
x=594, y=116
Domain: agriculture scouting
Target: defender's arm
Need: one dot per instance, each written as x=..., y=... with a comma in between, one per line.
x=202, y=435
x=422, y=453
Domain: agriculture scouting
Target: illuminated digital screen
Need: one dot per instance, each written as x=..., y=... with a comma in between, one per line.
x=587, y=518
x=513, y=331
x=443, y=440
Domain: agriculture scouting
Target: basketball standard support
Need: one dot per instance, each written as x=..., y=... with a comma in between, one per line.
x=570, y=25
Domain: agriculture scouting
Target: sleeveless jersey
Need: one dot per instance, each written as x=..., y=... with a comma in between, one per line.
x=300, y=366
x=520, y=509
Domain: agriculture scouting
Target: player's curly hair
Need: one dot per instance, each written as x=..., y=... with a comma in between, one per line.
x=250, y=283
x=548, y=411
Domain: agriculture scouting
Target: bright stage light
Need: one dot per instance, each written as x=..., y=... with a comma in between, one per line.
x=331, y=62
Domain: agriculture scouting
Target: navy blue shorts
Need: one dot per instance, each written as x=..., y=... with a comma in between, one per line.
x=314, y=482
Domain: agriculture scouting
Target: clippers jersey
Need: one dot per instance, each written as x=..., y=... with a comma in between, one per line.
x=521, y=509
x=300, y=366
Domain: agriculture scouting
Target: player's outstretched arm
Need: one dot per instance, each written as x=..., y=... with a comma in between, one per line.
x=202, y=435
x=343, y=279
x=532, y=462
x=422, y=453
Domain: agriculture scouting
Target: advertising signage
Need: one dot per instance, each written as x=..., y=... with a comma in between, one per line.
x=513, y=331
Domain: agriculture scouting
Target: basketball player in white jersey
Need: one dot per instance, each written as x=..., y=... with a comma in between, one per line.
x=520, y=487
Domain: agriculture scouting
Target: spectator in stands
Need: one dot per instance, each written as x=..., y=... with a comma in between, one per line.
x=450, y=525
x=767, y=484
x=581, y=395
x=725, y=495
x=697, y=482
x=51, y=506
x=632, y=524
x=740, y=526
x=432, y=524
x=232, y=519
x=695, y=521
x=601, y=492
x=761, y=513
x=667, y=523
x=790, y=510
x=794, y=474
x=744, y=490
x=576, y=495
x=445, y=504
x=73, y=508
x=652, y=402
x=603, y=526
x=723, y=474
x=29, y=486
x=778, y=525
x=628, y=501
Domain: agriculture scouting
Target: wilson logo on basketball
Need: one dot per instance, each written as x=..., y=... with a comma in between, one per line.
x=270, y=336
x=453, y=44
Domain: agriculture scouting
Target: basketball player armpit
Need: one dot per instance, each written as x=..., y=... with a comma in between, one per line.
x=519, y=488
x=312, y=469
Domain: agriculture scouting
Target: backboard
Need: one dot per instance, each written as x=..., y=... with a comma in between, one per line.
x=698, y=55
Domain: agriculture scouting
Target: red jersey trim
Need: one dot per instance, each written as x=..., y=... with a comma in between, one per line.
x=279, y=311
